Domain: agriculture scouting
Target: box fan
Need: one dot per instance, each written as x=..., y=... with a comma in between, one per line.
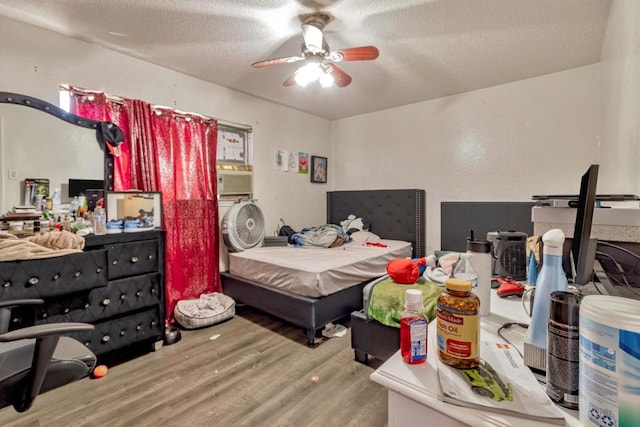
x=243, y=226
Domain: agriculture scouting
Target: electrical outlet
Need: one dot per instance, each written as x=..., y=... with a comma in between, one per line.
x=13, y=174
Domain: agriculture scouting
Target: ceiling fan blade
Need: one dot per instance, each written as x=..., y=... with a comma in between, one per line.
x=312, y=37
x=276, y=61
x=342, y=79
x=362, y=53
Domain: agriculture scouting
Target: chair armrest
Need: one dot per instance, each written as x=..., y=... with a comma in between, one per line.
x=40, y=331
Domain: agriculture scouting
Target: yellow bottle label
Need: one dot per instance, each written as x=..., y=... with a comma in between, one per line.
x=458, y=334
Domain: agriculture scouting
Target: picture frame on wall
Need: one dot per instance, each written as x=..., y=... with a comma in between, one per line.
x=318, y=169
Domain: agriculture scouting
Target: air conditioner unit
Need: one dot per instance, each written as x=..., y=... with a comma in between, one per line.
x=234, y=180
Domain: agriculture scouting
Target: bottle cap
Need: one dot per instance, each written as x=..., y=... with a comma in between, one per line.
x=552, y=241
x=413, y=298
x=458, y=285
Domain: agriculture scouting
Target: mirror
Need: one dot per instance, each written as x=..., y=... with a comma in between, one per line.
x=40, y=141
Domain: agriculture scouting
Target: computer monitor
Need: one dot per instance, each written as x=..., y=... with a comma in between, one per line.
x=77, y=186
x=583, y=248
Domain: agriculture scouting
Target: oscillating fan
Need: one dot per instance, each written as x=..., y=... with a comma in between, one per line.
x=243, y=226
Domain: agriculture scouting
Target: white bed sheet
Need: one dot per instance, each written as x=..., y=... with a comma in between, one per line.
x=316, y=272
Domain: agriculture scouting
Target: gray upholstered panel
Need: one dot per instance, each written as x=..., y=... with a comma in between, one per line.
x=393, y=214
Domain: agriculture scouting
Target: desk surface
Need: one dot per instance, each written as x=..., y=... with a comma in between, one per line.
x=420, y=382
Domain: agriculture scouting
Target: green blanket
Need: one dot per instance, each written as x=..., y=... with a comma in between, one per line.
x=386, y=300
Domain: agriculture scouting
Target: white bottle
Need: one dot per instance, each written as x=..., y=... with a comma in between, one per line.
x=480, y=256
x=55, y=199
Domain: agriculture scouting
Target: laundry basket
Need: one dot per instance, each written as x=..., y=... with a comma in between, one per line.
x=207, y=310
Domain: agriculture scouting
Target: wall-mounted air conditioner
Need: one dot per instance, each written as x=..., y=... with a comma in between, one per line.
x=234, y=180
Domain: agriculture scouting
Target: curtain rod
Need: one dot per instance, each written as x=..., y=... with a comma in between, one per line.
x=155, y=108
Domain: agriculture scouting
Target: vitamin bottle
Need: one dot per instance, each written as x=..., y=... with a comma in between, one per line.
x=413, y=329
x=458, y=325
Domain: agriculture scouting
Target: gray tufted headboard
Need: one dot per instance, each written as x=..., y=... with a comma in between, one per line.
x=393, y=214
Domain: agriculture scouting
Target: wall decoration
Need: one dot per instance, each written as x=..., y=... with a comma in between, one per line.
x=303, y=163
x=318, y=169
x=281, y=160
x=293, y=160
x=232, y=145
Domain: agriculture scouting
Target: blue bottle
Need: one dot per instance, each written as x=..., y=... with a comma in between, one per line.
x=551, y=278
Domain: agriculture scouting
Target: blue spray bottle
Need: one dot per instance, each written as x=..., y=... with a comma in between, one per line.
x=550, y=279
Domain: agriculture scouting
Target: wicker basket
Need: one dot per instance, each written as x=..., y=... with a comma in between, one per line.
x=189, y=321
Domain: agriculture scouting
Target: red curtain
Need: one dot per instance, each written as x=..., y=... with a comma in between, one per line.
x=174, y=153
x=185, y=150
x=96, y=106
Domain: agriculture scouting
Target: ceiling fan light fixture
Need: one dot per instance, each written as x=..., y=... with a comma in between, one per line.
x=308, y=73
x=326, y=80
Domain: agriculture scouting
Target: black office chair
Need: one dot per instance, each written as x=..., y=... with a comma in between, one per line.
x=38, y=358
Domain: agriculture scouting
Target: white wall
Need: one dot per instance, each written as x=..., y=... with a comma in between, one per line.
x=621, y=99
x=504, y=143
x=35, y=61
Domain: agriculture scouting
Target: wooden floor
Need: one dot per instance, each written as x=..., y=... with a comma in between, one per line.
x=258, y=372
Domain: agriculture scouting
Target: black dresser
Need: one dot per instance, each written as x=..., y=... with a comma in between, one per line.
x=116, y=284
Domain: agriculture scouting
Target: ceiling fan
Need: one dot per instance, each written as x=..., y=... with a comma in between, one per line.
x=319, y=58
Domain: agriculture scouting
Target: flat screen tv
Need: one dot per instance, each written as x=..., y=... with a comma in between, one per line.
x=77, y=186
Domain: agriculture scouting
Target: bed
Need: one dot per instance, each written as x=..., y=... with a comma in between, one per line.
x=393, y=215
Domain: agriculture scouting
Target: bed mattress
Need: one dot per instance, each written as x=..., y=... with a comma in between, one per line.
x=316, y=272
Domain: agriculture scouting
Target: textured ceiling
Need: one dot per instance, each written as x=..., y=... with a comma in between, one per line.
x=428, y=49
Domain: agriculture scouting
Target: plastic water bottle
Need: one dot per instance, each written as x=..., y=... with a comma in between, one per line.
x=480, y=256
x=413, y=329
x=464, y=270
x=551, y=278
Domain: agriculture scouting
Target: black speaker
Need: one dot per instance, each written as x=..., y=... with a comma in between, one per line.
x=509, y=254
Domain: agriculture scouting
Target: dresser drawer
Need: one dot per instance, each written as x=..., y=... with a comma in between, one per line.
x=118, y=297
x=50, y=277
x=133, y=258
x=116, y=333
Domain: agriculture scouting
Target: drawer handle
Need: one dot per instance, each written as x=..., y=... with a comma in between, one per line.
x=34, y=281
x=106, y=302
x=150, y=256
x=114, y=262
x=134, y=259
x=67, y=310
x=86, y=306
x=106, y=338
x=99, y=270
x=138, y=327
x=16, y=319
x=154, y=323
x=138, y=293
x=77, y=274
x=56, y=277
x=86, y=343
x=45, y=315
x=6, y=285
x=122, y=333
x=123, y=297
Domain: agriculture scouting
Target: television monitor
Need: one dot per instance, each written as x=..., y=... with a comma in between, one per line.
x=77, y=186
x=583, y=248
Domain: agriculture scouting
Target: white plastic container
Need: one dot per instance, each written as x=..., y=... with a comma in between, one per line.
x=609, y=361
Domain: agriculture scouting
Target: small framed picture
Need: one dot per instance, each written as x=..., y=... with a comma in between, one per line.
x=129, y=205
x=318, y=169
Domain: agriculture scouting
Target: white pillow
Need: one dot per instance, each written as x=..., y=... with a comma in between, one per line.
x=364, y=236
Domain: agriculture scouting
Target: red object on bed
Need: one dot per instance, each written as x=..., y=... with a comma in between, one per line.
x=404, y=270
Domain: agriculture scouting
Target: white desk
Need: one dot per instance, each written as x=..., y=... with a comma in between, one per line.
x=414, y=390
